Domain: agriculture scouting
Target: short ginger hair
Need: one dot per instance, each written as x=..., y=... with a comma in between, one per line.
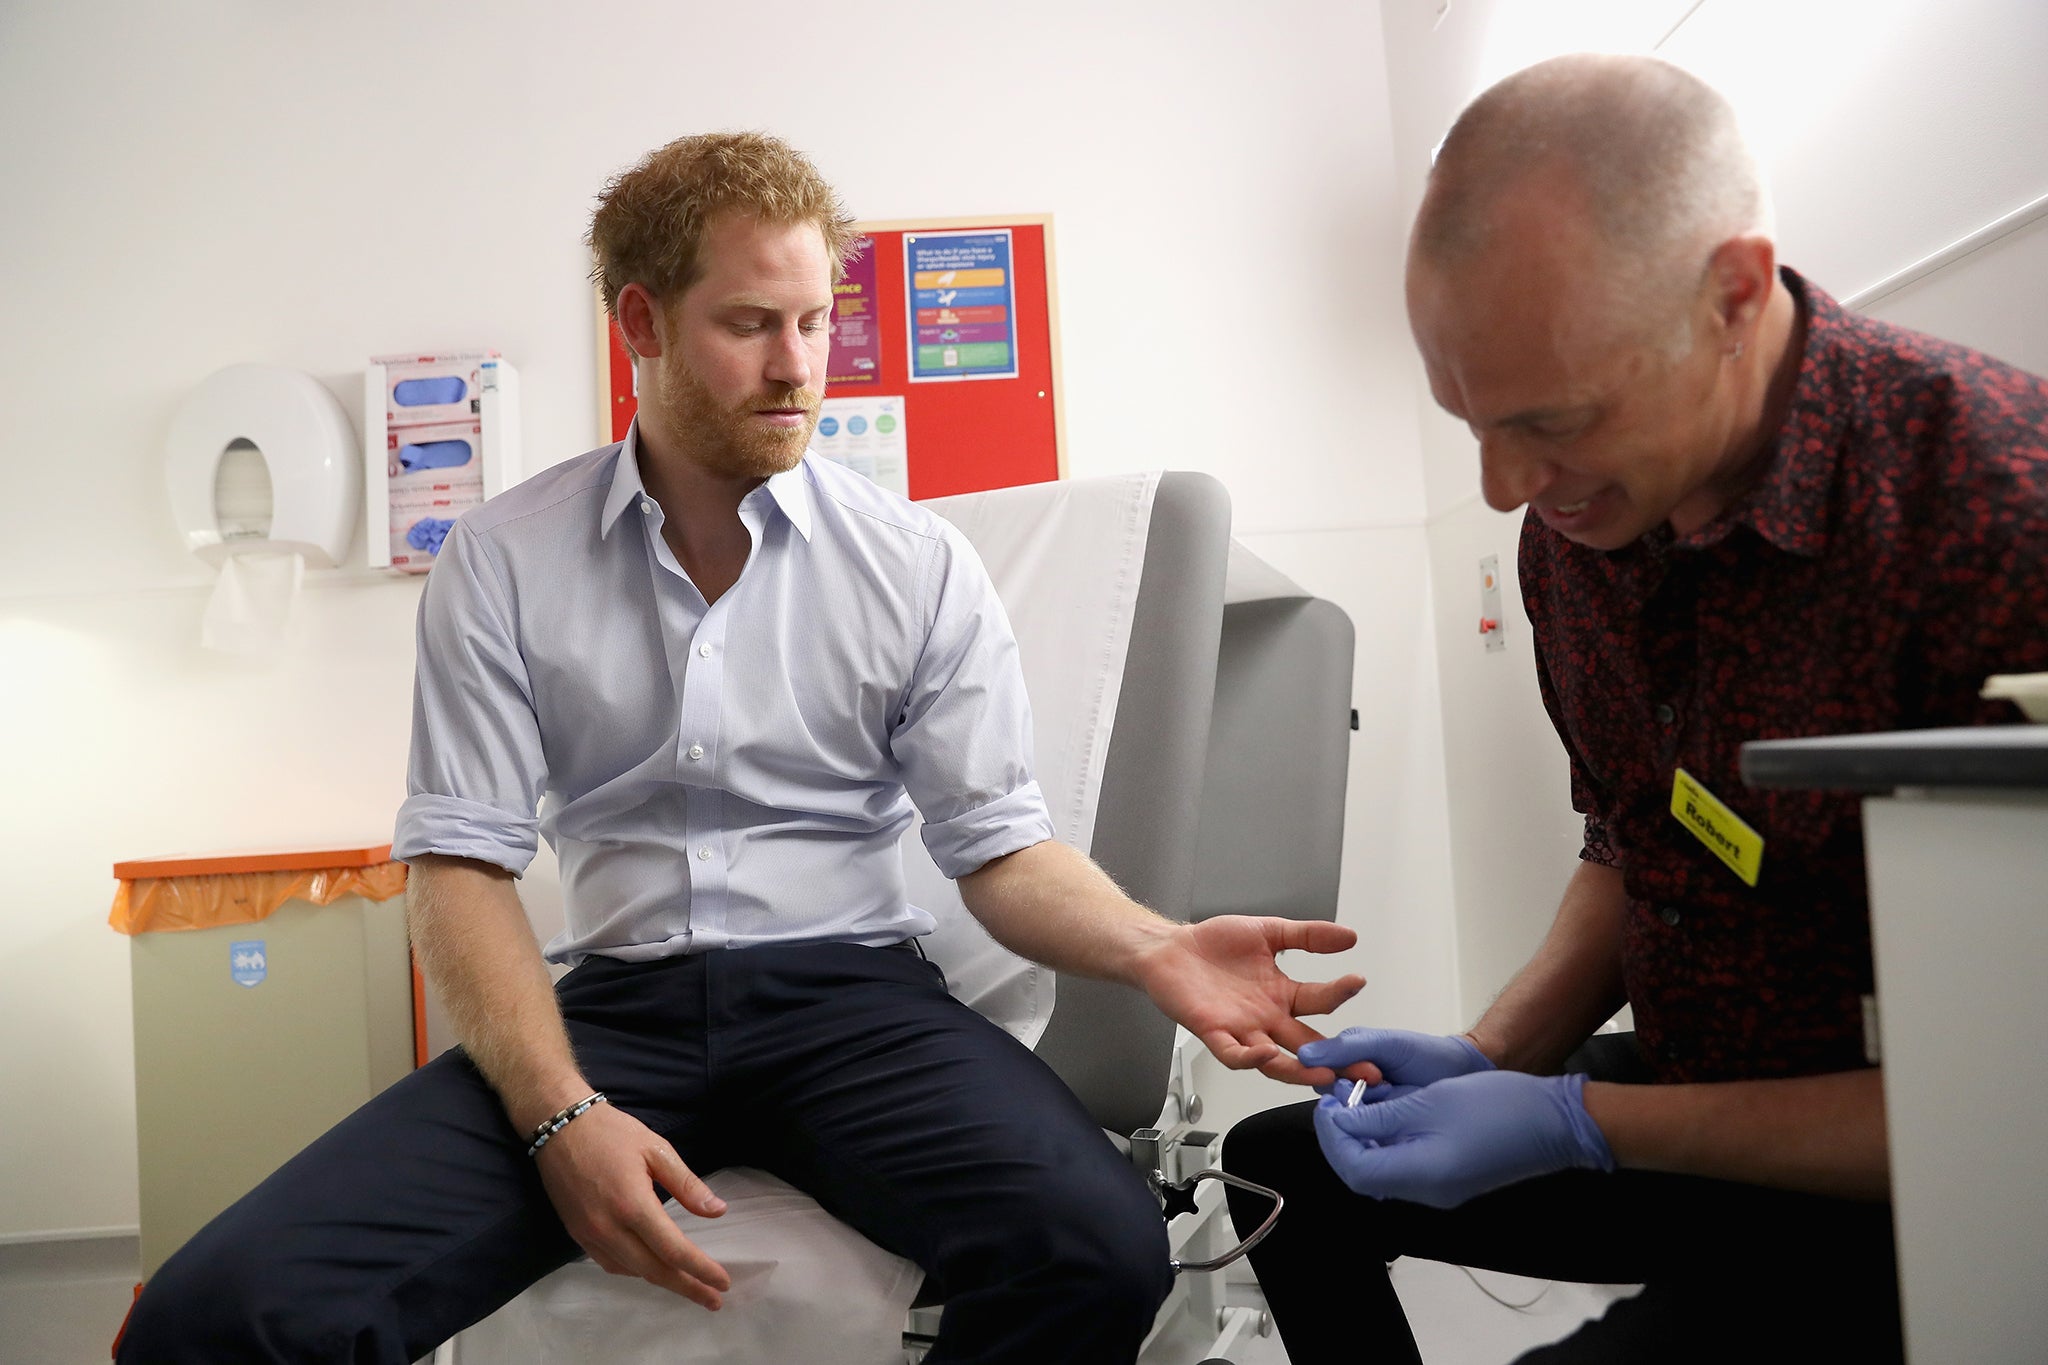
x=648, y=228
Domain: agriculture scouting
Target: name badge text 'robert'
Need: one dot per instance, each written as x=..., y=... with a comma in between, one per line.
x=1720, y=829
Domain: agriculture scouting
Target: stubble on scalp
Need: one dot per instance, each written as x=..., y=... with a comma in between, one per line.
x=1656, y=158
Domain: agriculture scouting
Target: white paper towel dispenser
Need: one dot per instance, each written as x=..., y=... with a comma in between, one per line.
x=307, y=445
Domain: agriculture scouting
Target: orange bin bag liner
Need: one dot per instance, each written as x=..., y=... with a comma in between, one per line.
x=150, y=905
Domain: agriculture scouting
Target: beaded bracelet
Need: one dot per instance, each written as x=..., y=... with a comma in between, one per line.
x=552, y=1126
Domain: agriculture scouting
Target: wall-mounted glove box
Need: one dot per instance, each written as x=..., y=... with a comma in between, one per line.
x=440, y=435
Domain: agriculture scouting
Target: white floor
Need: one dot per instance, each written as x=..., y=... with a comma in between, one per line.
x=61, y=1303
x=1454, y=1320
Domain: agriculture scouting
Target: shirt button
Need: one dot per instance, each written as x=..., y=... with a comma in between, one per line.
x=696, y=751
x=704, y=650
x=646, y=505
x=1669, y=914
x=703, y=855
x=1665, y=715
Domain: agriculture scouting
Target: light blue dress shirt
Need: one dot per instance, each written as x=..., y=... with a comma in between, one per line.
x=726, y=775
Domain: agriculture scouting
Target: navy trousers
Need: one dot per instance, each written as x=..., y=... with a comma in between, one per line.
x=1731, y=1272
x=847, y=1071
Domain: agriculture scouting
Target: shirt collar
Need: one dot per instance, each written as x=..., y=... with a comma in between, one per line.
x=789, y=490
x=1789, y=505
x=627, y=487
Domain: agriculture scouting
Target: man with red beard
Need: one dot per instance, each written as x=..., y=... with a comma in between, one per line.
x=716, y=675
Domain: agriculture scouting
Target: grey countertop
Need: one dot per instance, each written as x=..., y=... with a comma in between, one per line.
x=1967, y=756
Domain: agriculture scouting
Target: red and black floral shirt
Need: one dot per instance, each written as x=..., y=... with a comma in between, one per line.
x=1894, y=555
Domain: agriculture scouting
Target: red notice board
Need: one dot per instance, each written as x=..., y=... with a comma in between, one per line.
x=964, y=434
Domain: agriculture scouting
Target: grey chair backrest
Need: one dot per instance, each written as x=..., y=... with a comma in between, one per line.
x=1108, y=1042
x=1272, y=826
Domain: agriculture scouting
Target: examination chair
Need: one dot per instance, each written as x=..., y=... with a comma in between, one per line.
x=1190, y=714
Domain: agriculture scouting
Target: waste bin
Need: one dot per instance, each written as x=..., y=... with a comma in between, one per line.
x=274, y=993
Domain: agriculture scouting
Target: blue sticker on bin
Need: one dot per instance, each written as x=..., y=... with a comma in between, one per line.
x=433, y=455
x=248, y=964
x=426, y=393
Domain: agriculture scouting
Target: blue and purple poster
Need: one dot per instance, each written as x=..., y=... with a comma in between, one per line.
x=962, y=305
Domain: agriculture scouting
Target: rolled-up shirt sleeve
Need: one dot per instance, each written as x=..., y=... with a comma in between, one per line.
x=477, y=767
x=963, y=742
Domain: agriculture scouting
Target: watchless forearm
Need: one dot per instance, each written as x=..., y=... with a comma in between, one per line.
x=1570, y=987
x=1052, y=904
x=1820, y=1134
x=475, y=945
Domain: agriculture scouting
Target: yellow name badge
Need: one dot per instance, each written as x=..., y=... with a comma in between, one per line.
x=1719, y=828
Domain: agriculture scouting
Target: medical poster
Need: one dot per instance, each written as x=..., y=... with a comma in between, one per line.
x=868, y=436
x=856, y=356
x=994, y=434
x=962, y=305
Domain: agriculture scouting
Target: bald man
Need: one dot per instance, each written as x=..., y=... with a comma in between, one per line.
x=1750, y=514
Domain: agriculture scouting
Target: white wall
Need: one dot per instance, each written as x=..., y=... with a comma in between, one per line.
x=1889, y=129
x=196, y=184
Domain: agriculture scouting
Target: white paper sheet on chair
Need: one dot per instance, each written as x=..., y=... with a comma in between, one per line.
x=1066, y=559
x=805, y=1287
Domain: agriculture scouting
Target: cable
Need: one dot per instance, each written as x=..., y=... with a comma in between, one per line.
x=1548, y=1285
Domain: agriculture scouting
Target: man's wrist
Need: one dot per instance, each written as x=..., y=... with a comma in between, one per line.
x=545, y=1131
x=1491, y=1049
x=1152, y=938
x=1596, y=1153
x=1479, y=1056
x=534, y=1104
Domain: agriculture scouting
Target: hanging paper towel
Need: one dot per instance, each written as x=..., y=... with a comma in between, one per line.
x=307, y=447
x=252, y=603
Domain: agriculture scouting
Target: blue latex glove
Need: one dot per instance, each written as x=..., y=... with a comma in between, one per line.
x=1442, y=1144
x=428, y=532
x=1405, y=1059
x=433, y=455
